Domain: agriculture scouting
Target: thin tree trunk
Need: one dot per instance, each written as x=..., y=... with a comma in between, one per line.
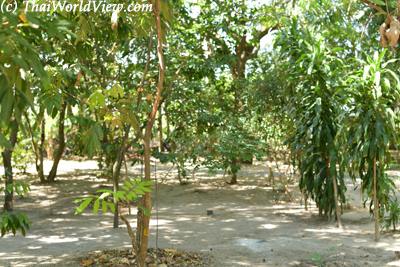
x=131, y=233
x=234, y=173
x=335, y=193
x=61, y=144
x=376, y=203
x=41, y=149
x=117, y=172
x=38, y=148
x=361, y=194
x=233, y=178
x=144, y=219
x=305, y=201
x=144, y=222
x=8, y=171
x=160, y=130
x=168, y=134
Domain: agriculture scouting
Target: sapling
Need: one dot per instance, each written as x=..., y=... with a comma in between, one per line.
x=393, y=216
x=103, y=200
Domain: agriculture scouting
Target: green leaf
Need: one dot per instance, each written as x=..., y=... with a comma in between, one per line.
x=92, y=139
x=104, y=206
x=96, y=100
x=96, y=206
x=4, y=142
x=378, y=2
x=85, y=203
x=116, y=91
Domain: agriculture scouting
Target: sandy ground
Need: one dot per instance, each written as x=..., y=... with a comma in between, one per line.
x=250, y=227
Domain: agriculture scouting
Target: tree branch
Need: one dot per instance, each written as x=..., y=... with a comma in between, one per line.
x=264, y=32
x=375, y=6
x=161, y=71
x=131, y=233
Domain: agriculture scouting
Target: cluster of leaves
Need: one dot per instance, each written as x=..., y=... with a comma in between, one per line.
x=13, y=222
x=392, y=217
x=23, y=155
x=104, y=200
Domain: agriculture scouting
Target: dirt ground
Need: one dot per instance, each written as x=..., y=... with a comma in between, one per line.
x=251, y=225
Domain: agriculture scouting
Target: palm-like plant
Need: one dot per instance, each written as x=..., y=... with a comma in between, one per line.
x=370, y=127
x=313, y=105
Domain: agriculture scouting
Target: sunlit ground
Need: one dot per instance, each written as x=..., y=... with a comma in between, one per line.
x=251, y=225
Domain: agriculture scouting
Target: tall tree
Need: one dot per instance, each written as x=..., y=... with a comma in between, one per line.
x=232, y=33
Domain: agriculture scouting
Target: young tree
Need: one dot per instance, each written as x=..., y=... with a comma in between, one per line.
x=20, y=64
x=143, y=224
x=370, y=128
x=313, y=106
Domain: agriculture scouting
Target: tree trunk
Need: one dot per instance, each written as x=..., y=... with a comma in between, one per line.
x=39, y=166
x=144, y=222
x=117, y=172
x=144, y=219
x=168, y=134
x=233, y=178
x=376, y=203
x=335, y=193
x=61, y=144
x=131, y=233
x=116, y=203
x=305, y=201
x=234, y=163
x=38, y=148
x=8, y=172
x=160, y=130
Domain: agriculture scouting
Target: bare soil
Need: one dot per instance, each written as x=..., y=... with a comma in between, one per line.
x=251, y=225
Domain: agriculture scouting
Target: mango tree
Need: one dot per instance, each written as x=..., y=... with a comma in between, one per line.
x=232, y=33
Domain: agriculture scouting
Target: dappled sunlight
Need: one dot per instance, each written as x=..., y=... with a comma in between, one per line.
x=332, y=231
x=268, y=226
x=245, y=223
x=252, y=244
x=56, y=239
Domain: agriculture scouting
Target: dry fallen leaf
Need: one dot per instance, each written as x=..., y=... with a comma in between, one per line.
x=87, y=262
x=159, y=258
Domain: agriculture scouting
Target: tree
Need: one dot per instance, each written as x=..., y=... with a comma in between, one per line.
x=105, y=201
x=314, y=104
x=20, y=64
x=370, y=127
x=143, y=223
x=232, y=42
